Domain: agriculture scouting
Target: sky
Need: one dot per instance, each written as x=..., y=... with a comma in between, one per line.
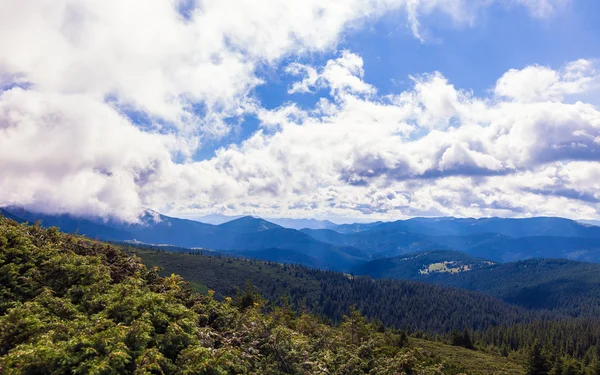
x=365, y=109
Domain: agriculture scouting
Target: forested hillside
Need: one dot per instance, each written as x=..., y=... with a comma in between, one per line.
x=421, y=265
x=401, y=304
x=569, y=287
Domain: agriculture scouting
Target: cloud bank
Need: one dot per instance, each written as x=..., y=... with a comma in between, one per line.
x=103, y=105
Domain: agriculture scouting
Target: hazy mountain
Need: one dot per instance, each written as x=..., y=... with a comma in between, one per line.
x=526, y=227
x=303, y=223
x=248, y=236
x=92, y=228
x=590, y=222
x=392, y=239
x=248, y=224
x=9, y=215
x=161, y=229
x=348, y=245
x=356, y=227
x=216, y=219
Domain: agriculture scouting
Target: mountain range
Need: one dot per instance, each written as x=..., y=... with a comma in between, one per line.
x=348, y=246
x=217, y=219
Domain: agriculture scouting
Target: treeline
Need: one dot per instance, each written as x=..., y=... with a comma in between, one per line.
x=569, y=287
x=568, y=346
x=404, y=305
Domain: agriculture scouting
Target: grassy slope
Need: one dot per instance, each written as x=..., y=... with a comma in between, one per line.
x=478, y=363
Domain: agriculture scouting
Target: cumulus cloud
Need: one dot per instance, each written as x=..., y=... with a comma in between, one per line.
x=484, y=156
x=343, y=75
x=539, y=83
x=104, y=103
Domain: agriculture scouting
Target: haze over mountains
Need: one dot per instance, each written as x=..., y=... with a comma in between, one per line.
x=217, y=219
x=344, y=247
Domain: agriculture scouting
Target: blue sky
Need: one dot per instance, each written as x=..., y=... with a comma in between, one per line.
x=366, y=109
x=472, y=56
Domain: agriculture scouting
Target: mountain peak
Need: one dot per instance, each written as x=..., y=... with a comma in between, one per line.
x=249, y=224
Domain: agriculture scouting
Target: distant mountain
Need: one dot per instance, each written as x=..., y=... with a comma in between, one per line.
x=590, y=222
x=247, y=224
x=303, y=223
x=505, y=249
x=272, y=244
x=247, y=236
x=8, y=215
x=417, y=266
x=216, y=219
x=356, y=227
x=385, y=241
x=346, y=246
x=526, y=227
x=97, y=229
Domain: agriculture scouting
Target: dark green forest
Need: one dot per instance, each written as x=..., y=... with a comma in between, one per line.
x=399, y=304
x=569, y=287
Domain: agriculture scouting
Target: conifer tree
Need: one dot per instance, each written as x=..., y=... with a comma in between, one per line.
x=537, y=365
x=467, y=341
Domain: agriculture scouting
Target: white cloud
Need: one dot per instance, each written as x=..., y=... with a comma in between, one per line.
x=367, y=154
x=68, y=153
x=116, y=96
x=538, y=83
x=342, y=76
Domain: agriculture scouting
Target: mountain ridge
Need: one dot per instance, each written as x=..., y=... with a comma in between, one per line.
x=345, y=246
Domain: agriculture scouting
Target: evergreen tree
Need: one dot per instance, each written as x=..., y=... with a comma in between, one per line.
x=456, y=338
x=467, y=341
x=537, y=365
x=557, y=368
x=571, y=368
